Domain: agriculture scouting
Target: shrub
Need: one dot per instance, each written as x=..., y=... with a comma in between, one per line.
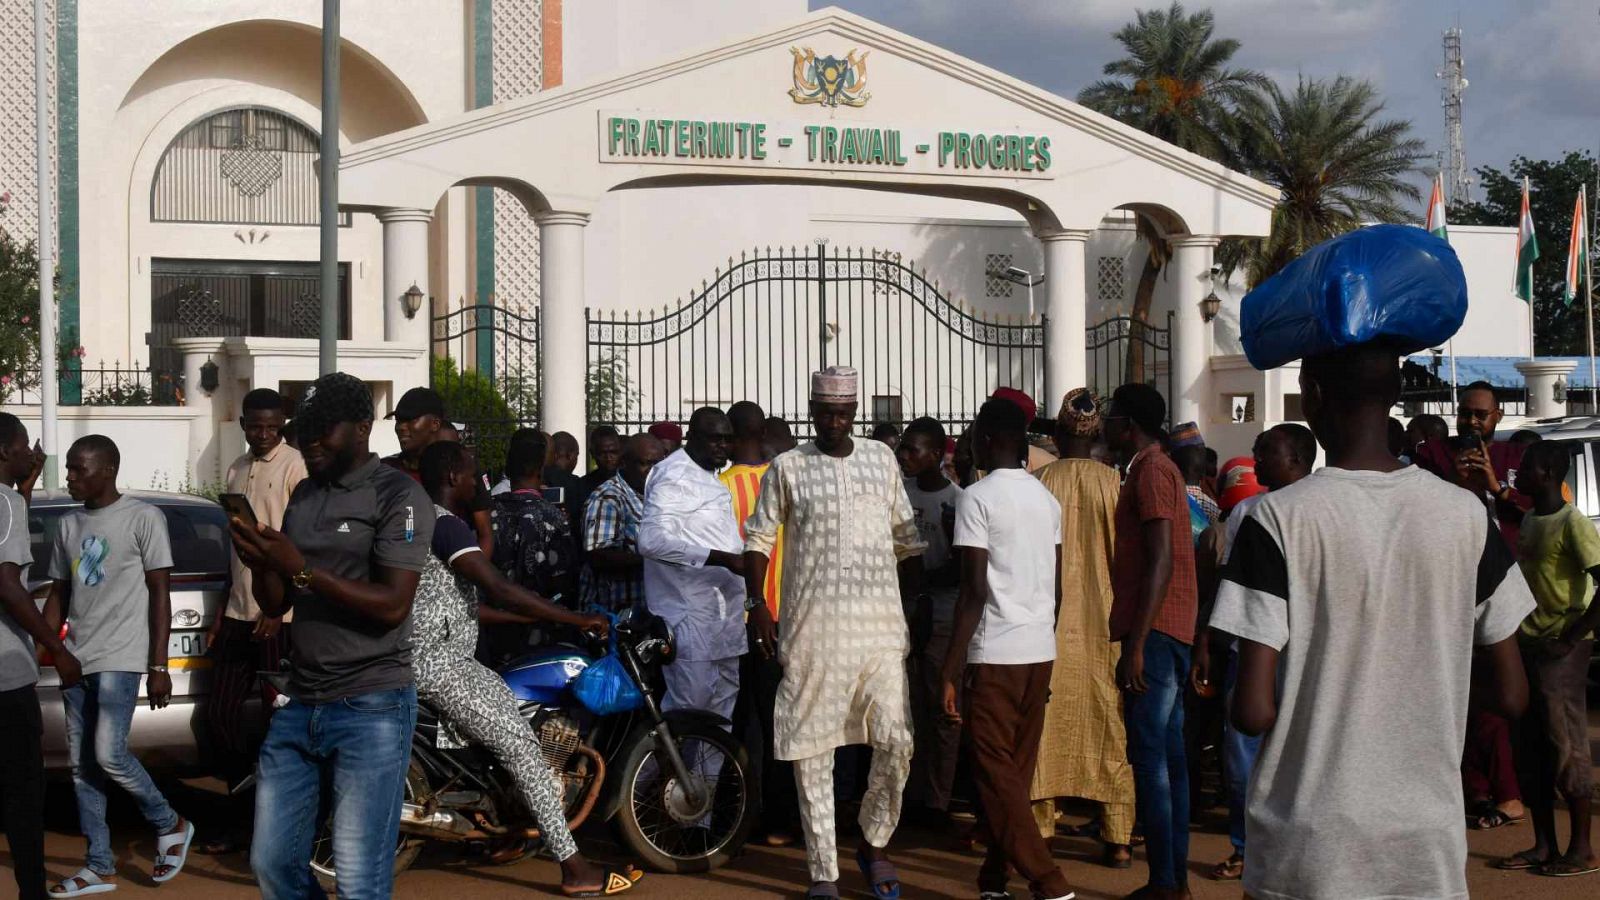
x=472, y=399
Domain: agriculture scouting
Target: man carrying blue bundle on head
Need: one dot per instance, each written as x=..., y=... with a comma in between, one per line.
x=1356, y=644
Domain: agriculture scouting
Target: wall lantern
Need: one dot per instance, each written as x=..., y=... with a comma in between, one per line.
x=1559, y=390
x=411, y=300
x=1210, y=306
x=208, y=376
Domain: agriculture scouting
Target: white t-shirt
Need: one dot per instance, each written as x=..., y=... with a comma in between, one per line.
x=1357, y=792
x=1014, y=517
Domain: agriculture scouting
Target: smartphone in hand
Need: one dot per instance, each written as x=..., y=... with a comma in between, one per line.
x=238, y=507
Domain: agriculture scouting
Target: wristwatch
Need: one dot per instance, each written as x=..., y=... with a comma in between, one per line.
x=752, y=601
x=302, y=579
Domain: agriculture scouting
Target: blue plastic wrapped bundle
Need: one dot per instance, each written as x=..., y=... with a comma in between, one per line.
x=1395, y=283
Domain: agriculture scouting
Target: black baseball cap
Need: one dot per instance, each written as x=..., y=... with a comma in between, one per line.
x=331, y=399
x=419, y=401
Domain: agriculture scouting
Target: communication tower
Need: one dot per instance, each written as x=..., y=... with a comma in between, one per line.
x=1457, y=183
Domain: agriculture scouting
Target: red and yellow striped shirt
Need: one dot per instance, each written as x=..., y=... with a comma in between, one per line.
x=744, y=483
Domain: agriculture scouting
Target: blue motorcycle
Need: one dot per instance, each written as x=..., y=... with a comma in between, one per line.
x=676, y=786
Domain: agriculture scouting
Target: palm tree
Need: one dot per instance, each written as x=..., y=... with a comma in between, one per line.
x=1174, y=83
x=1338, y=164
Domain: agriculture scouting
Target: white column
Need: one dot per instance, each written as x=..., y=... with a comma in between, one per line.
x=214, y=411
x=1540, y=376
x=405, y=262
x=562, y=341
x=1190, y=272
x=1066, y=310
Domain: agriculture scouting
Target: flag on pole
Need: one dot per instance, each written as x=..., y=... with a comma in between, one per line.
x=1436, y=225
x=1579, y=248
x=1527, y=249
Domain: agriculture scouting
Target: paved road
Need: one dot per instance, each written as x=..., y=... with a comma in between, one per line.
x=930, y=863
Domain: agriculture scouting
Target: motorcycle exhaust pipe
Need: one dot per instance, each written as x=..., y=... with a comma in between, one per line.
x=415, y=819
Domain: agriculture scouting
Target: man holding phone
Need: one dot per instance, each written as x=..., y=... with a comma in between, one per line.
x=1474, y=460
x=243, y=640
x=348, y=559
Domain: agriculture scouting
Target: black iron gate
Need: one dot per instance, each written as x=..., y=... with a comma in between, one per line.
x=486, y=366
x=758, y=329
x=1124, y=349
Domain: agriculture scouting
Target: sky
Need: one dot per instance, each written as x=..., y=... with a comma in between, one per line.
x=1531, y=64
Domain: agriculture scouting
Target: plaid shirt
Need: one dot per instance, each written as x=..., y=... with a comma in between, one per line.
x=1154, y=489
x=611, y=522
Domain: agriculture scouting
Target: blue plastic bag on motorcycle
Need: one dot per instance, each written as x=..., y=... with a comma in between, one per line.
x=605, y=688
x=1395, y=283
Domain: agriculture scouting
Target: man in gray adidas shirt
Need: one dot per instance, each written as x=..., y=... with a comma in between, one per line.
x=1356, y=648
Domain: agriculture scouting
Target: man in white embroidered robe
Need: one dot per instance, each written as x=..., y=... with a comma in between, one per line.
x=850, y=542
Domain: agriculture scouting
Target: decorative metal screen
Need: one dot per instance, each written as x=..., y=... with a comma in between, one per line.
x=217, y=298
x=1110, y=280
x=247, y=166
x=995, y=283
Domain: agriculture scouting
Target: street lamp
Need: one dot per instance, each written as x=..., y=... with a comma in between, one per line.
x=411, y=300
x=1025, y=278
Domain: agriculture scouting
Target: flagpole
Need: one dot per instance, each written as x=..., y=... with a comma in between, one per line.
x=1588, y=292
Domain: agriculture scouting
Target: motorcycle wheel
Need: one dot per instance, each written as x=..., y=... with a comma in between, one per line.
x=655, y=819
x=406, y=848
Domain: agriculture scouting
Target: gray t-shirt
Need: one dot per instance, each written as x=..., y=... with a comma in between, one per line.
x=1357, y=791
x=102, y=555
x=376, y=515
x=18, y=667
x=929, y=508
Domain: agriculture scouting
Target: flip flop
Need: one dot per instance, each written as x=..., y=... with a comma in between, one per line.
x=92, y=884
x=1230, y=869
x=823, y=890
x=175, y=861
x=880, y=875
x=1496, y=819
x=1518, y=862
x=615, y=881
x=1565, y=868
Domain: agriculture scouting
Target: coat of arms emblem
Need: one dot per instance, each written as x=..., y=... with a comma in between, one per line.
x=829, y=80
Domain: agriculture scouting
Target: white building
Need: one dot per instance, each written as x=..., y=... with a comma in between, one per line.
x=185, y=139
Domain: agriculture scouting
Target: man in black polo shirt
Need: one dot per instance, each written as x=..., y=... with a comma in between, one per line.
x=354, y=540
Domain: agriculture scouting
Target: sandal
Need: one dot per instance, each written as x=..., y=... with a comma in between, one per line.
x=1519, y=861
x=173, y=862
x=613, y=881
x=823, y=890
x=1495, y=818
x=1230, y=869
x=88, y=881
x=1565, y=868
x=881, y=875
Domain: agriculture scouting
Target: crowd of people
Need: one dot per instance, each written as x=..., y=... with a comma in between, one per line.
x=1044, y=609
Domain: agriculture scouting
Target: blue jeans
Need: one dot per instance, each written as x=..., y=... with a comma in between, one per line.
x=1239, y=753
x=360, y=747
x=1155, y=751
x=99, y=714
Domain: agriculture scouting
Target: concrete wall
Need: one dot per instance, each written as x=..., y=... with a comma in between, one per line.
x=152, y=440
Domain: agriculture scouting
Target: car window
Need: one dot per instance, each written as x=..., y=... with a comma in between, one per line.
x=199, y=536
x=42, y=524
x=200, y=541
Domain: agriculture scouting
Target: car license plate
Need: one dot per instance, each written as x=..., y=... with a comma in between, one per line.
x=181, y=644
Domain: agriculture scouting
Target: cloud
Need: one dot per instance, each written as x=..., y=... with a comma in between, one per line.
x=1531, y=65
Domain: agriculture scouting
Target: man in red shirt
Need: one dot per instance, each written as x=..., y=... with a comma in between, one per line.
x=1488, y=468
x=1154, y=603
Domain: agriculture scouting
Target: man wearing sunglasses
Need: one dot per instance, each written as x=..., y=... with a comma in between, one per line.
x=1487, y=467
x=1476, y=461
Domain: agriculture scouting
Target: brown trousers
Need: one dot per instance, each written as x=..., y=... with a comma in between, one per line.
x=1004, y=719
